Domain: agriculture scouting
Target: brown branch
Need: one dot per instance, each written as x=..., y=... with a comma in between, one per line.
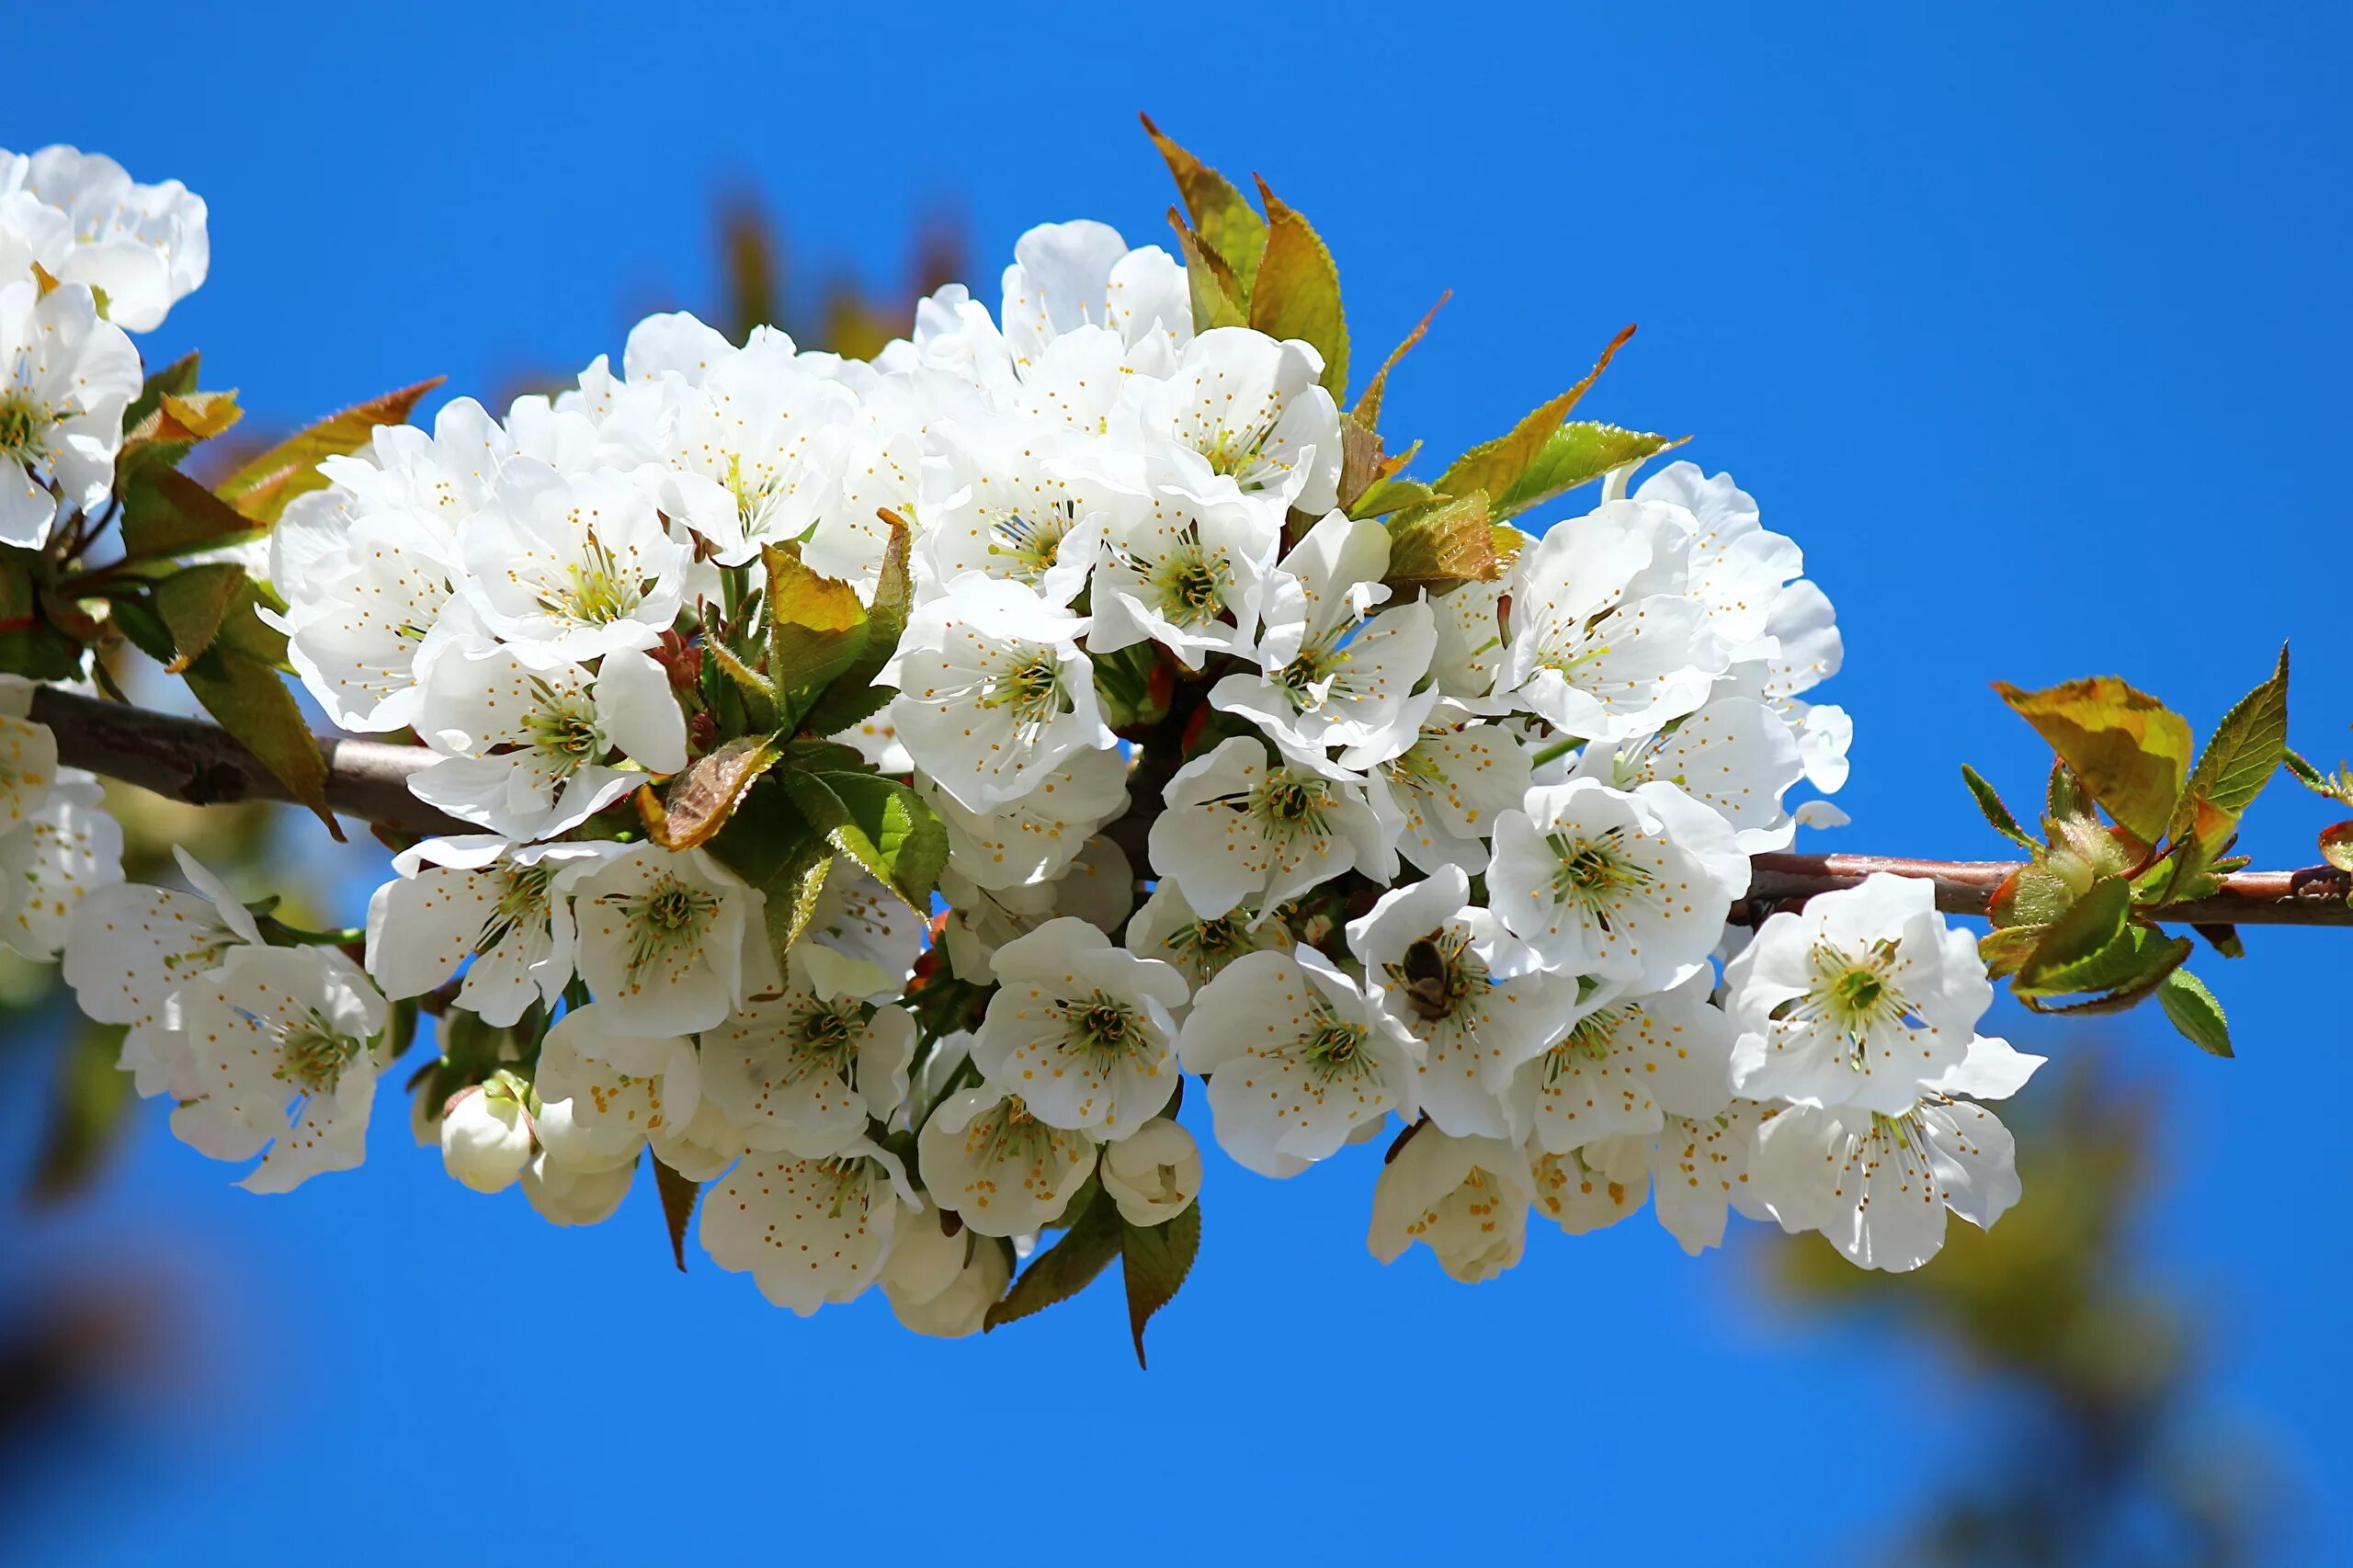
x=190, y=760
x=202, y=764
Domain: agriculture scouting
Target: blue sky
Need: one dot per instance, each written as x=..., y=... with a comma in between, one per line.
x=2028, y=320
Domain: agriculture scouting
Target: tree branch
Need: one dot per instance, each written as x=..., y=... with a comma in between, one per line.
x=199, y=763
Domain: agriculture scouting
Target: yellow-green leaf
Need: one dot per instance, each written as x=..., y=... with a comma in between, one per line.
x=2240, y=755
x=89, y=1106
x=851, y=696
x=1366, y=413
x=2195, y=1012
x=1497, y=466
x=1215, y=292
x=2129, y=749
x=1298, y=290
x=1440, y=544
x=263, y=487
x=880, y=823
x=1578, y=453
x=1220, y=212
x=1996, y=814
x=2089, y=925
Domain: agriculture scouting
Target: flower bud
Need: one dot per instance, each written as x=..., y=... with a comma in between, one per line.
x=1154, y=1172
x=485, y=1135
x=569, y=1195
x=961, y=1307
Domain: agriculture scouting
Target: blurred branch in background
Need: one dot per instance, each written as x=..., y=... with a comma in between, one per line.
x=2096, y=1443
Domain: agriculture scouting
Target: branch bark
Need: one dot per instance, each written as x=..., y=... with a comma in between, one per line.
x=199, y=763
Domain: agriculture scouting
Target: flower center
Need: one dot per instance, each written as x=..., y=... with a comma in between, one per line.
x=21, y=423
x=523, y=899
x=1027, y=545
x=1436, y=972
x=1288, y=806
x=597, y=591
x=1191, y=583
x=666, y=918
x=563, y=726
x=312, y=1054
x=1032, y=690
x=1594, y=874
x=1334, y=1048
x=1102, y=1026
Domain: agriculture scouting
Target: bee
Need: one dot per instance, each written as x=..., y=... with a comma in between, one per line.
x=1428, y=976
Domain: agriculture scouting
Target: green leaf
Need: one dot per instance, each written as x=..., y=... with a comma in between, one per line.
x=1577, y=453
x=262, y=488
x=1297, y=293
x=2089, y=925
x=1499, y=466
x=1441, y=545
x=852, y=697
x=678, y=1195
x=192, y=603
x=2130, y=751
x=1154, y=1260
x=751, y=688
x=1065, y=1269
x=2239, y=759
x=1366, y=414
x=701, y=798
x=2135, y=959
x=249, y=700
x=772, y=846
x=90, y=1099
x=2336, y=845
x=1386, y=495
x=29, y=644
x=2195, y=1012
x=1220, y=212
x=1216, y=294
x=165, y=513
x=2006, y=947
x=880, y=823
x=1996, y=814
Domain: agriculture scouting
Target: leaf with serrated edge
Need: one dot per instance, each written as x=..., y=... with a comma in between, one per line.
x=1366, y=413
x=2196, y=1013
x=263, y=487
x=852, y=695
x=2130, y=751
x=1220, y=212
x=1298, y=290
x=2136, y=959
x=1578, y=453
x=1441, y=545
x=1498, y=465
x=1065, y=1269
x=701, y=798
x=2240, y=755
x=678, y=1195
x=2090, y=924
x=1209, y=282
x=1155, y=1259
x=251, y=704
x=193, y=601
x=1997, y=815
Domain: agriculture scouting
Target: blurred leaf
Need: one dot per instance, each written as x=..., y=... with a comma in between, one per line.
x=192, y=603
x=1990, y=802
x=2195, y=1012
x=1154, y=1260
x=2130, y=751
x=2239, y=759
x=678, y=1195
x=1296, y=293
x=177, y=378
x=880, y=823
x=1499, y=466
x=90, y=1101
x=29, y=644
x=700, y=799
x=2224, y=940
x=1221, y=214
x=1441, y=545
x=2336, y=845
x=1578, y=453
x=165, y=513
x=1065, y=1269
x=263, y=487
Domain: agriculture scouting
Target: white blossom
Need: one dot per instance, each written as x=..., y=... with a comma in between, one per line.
x=663, y=937
x=82, y=219
x=1001, y=1169
x=483, y=903
x=805, y=1071
x=1465, y=1198
x=1154, y=1173
x=1080, y=1029
x=1239, y=828
x=809, y=1231
x=1250, y=418
x=65, y=378
x=564, y=567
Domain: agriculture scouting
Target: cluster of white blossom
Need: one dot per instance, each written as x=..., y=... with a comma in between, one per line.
x=1458, y=861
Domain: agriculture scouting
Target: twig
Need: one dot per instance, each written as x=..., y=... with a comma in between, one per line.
x=190, y=760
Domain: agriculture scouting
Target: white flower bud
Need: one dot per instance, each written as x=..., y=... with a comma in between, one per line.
x=961, y=1308
x=485, y=1136
x=568, y=1194
x=1154, y=1173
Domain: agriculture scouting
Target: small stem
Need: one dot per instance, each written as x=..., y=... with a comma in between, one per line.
x=1554, y=751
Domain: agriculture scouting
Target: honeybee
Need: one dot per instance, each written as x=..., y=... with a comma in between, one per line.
x=1428, y=978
